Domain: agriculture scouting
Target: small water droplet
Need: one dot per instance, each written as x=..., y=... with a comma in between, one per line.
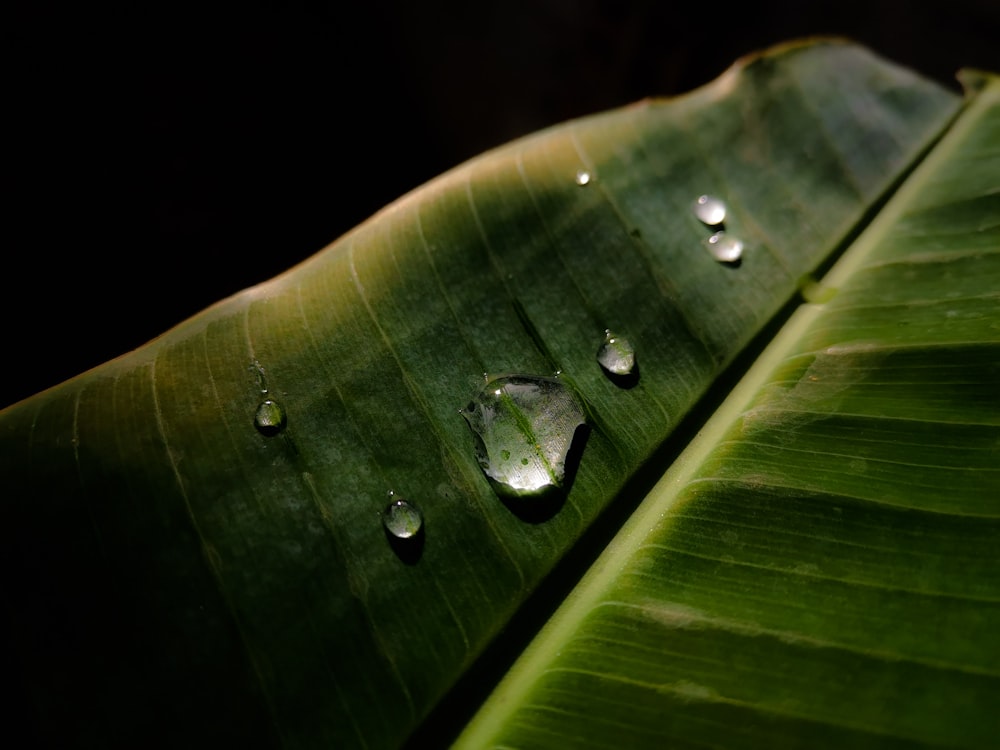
x=583, y=177
x=524, y=427
x=709, y=210
x=725, y=248
x=616, y=354
x=270, y=417
x=402, y=519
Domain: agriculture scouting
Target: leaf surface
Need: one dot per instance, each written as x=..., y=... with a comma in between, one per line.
x=820, y=568
x=173, y=571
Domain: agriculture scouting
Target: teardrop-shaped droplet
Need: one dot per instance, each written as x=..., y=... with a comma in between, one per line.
x=583, y=177
x=725, y=248
x=270, y=417
x=402, y=519
x=709, y=210
x=616, y=354
x=524, y=427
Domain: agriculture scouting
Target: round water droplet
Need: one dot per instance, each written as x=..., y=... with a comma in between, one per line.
x=725, y=248
x=524, y=427
x=616, y=354
x=270, y=417
x=402, y=519
x=709, y=210
x=583, y=177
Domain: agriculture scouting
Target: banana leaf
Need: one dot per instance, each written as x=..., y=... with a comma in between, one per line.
x=197, y=543
x=820, y=567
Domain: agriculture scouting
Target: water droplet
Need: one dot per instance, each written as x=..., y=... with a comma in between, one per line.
x=524, y=427
x=709, y=210
x=583, y=177
x=616, y=354
x=402, y=519
x=270, y=417
x=725, y=248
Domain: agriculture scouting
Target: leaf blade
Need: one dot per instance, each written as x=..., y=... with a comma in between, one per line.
x=748, y=602
x=295, y=597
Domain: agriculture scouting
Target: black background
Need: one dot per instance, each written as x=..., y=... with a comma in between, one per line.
x=159, y=161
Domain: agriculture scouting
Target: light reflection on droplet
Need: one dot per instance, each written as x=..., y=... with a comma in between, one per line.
x=616, y=354
x=709, y=210
x=583, y=177
x=524, y=427
x=725, y=248
x=401, y=518
x=269, y=418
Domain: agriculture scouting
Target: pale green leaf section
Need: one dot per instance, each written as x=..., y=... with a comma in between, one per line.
x=821, y=567
x=174, y=572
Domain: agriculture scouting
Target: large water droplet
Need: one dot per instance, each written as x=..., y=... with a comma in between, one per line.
x=616, y=354
x=709, y=210
x=725, y=248
x=583, y=177
x=270, y=417
x=402, y=519
x=524, y=427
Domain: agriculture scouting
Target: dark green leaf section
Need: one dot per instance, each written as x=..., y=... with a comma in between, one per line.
x=825, y=571
x=174, y=572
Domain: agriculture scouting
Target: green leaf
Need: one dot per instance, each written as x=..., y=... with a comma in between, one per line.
x=183, y=566
x=820, y=568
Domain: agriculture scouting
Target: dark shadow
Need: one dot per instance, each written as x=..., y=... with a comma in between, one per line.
x=627, y=381
x=408, y=549
x=575, y=452
x=270, y=430
x=536, y=507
